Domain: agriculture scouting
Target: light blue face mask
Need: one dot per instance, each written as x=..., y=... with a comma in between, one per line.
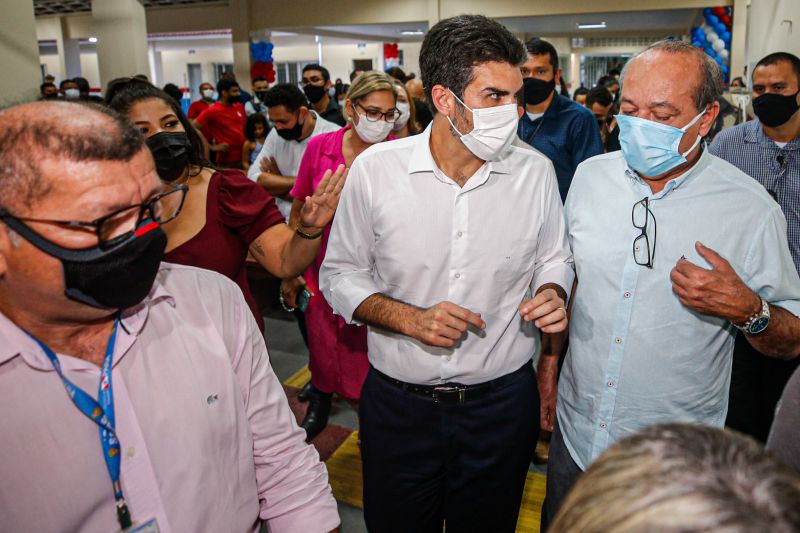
x=651, y=148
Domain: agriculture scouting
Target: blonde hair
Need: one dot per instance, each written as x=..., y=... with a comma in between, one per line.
x=682, y=477
x=370, y=82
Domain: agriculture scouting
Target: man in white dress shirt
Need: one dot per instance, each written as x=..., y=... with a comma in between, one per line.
x=451, y=246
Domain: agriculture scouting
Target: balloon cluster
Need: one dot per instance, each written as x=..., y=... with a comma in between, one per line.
x=391, y=55
x=714, y=36
x=262, y=61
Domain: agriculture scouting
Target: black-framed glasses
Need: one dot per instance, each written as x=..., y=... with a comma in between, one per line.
x=644, y=252
x=374, y=115
x=116, y=227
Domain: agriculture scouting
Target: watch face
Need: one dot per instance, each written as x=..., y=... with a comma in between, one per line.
x=759, y=325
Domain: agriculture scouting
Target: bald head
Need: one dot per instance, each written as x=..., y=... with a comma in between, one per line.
x=31, y=133
x=690, y=64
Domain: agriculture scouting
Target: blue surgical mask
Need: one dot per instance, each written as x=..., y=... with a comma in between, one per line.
x=651, y=148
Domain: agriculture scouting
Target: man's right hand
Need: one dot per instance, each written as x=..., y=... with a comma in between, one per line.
x=270, y=166
x=444, y=324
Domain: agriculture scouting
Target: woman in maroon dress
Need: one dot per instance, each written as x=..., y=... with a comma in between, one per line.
x=225, y=215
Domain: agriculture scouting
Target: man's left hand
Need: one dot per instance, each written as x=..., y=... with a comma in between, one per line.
x=547, y=310
x=318, y=209
x=270, y=166
x=718, y=291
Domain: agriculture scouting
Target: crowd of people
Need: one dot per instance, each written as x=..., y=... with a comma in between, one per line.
x=475, y=260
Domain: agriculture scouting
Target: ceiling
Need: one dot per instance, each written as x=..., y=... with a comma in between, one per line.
x=643, y=22
x=64, y=7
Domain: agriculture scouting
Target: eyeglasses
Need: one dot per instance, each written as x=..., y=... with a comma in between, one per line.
x=643, y=252
x=118, y=226
x=374, y=115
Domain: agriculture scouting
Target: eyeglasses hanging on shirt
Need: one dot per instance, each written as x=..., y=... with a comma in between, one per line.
x=643, y=219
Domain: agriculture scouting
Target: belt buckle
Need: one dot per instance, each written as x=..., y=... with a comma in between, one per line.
x=447, y=389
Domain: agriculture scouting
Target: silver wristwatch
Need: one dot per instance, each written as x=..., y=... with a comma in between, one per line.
x=757, y=323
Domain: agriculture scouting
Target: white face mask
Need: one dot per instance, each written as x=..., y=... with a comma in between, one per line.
x=371, y=132
x=72, y=94
x=208, y=94
x=405, y=114
x=493, y=130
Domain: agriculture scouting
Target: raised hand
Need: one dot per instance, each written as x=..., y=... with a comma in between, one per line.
x=318, y=210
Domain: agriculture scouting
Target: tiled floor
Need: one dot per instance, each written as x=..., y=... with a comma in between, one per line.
x=288, y=355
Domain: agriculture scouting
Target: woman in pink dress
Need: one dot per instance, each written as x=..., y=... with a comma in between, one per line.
x=338, y=351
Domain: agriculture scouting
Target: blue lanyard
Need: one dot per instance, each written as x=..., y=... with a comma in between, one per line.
x=101, y=412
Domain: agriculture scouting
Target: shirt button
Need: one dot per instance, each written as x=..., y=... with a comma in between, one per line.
x=627, y=295
x=637, y=248
x=603, y=425
x=447, y=358
x=459, y=234
x=618, y=340
x=457, y=276
x=610, y=383
x=131, y=451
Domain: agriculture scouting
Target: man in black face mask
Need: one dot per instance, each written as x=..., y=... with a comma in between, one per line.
x=561, y=129
x=256, y=105
x=316, y=86
x=768, y=150
x=86, y=305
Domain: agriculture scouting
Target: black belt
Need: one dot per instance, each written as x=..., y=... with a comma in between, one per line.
x=454, y=392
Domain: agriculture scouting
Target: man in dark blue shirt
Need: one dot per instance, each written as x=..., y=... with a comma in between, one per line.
x=561, y=129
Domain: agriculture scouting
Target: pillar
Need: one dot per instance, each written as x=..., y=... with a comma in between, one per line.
x=240, y=35
x=738, y=38
x=773, y=26
x=121, y=31
x=19, y=53
x=434, y=12
x=71, y=57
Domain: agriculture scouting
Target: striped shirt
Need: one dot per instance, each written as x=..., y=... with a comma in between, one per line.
x=776, y=168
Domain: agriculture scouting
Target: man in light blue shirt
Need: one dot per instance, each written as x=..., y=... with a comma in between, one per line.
x=655, y=312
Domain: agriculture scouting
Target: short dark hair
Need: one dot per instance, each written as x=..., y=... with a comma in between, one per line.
x=579, y=91
x=174, y=91
x=315, y=66
x=83, y=84
x=46, y=84
x=126, y=92
x=288, y=95
x=777, y=57
x=250, y=126
x=599, y=95
x=540, y=47
x=258, y=78
x=75, y=131
x=354, y=75
x=455, y=45
x=397, y=73
x=225, y=84
x=64, y=82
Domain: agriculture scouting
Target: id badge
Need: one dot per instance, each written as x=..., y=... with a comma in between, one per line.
x=150, y=526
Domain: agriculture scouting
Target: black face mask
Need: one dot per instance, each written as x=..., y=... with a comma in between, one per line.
x=112, y=278
x=537, y=91
x=293, y=133
x=314, y=93
x=774, y=110
x=261, y=95
x=171, y=153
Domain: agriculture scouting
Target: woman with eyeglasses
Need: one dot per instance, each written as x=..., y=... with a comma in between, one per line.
x=338, y=351
x=224, y=214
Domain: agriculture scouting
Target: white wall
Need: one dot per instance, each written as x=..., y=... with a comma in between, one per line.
x=173, y=63
x=89, y=68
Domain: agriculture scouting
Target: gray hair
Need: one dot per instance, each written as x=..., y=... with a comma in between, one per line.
x=709, y=87
x=683, y=477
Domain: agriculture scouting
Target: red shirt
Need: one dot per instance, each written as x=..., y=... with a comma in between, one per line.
x=225, y=124
x=237, y=212
x=197, y=107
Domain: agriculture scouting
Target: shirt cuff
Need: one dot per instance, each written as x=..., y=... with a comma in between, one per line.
x=561, y=274
x=345, y=295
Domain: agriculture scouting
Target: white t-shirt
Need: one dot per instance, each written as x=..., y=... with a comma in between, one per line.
x=288, y=155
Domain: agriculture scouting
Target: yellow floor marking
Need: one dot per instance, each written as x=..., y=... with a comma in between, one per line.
x=299, y=378
x=344, y=471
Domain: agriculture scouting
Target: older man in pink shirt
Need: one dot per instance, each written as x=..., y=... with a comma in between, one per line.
x=134, y=395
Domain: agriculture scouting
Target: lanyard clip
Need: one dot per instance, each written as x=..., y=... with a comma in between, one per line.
x=123, y=515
